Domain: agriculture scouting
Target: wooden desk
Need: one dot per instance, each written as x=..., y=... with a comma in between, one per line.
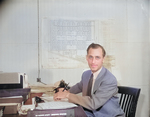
x=70, y=112
x=79, y=112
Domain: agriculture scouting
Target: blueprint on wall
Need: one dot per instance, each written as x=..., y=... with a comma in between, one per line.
x=64, y=42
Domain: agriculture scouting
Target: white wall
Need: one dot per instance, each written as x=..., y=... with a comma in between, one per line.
x=19, y=39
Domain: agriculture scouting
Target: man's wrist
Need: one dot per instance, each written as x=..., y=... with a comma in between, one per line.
x=67, y=96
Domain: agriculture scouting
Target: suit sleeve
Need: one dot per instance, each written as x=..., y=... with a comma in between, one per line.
x=107, y=88
x=76, y=88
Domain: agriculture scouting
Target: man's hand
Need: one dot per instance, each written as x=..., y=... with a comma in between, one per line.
x=61, y=94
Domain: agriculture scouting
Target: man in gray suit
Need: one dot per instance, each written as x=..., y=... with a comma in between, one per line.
x=98, y=99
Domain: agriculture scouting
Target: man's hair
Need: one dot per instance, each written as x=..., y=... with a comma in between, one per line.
x=95, y=46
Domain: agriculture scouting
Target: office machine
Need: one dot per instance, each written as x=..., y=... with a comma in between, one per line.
x=13, y=80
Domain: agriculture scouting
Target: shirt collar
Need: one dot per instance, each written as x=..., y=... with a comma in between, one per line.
x=95, y=74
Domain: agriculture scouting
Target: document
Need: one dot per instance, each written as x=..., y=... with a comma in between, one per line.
x=55, y=105
x=50, y=99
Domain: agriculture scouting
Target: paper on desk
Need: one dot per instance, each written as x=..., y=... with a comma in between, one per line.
x=8, y=104
x=50, y=99
x=55, y=105
x=47, y=98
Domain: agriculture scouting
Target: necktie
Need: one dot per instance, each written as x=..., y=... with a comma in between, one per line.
x=90, y=86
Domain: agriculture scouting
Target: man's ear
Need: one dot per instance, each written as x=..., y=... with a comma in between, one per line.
x=86, y=57
x=103, y=59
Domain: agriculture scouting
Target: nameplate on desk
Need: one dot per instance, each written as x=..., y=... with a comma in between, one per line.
x=52, y=112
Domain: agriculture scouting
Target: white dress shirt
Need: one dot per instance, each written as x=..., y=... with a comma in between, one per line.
x=95, y=74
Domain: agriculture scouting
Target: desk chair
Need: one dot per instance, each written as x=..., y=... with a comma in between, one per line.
x=128, y=99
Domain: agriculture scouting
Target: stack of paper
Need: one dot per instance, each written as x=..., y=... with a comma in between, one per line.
x=55, y=105
x=1, y=111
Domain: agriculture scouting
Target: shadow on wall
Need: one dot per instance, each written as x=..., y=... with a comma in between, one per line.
x=2, y=4
x=1, y=1
x=140, y=104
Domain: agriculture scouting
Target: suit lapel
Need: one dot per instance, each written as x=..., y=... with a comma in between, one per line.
x=99, y=79
x=85, y=82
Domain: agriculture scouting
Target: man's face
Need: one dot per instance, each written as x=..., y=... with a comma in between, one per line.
x=95, y=59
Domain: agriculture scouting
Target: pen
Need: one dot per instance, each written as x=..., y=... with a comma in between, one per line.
x=65, y=87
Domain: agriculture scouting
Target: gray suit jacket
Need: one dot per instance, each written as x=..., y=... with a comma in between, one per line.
x=103, y=97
